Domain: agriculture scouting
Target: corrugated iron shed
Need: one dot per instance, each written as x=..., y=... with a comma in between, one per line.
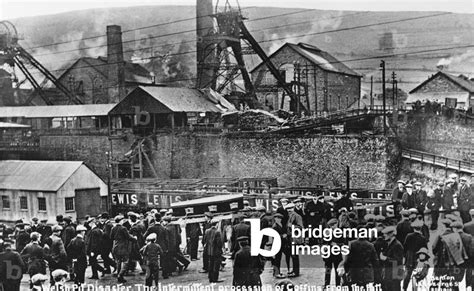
x=36, y=175
x=168, y=99
x=56, y=111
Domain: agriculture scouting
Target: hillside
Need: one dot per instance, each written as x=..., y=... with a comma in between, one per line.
x=173, y=56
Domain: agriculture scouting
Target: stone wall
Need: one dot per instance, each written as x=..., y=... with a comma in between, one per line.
x=439, y=135
x=295, y=161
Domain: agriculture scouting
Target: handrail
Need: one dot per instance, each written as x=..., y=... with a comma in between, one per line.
x=464, y=166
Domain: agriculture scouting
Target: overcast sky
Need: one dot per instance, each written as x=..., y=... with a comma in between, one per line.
x=10, y=9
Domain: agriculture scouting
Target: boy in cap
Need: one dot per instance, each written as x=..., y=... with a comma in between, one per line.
x=76, y=251
x=151, y=253
x=59, y=279
x=421, y=270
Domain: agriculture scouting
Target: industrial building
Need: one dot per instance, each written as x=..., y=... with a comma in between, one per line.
x=44, y=189
x=320, y=81
x=453, y=91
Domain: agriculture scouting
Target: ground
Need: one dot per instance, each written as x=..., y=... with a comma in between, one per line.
x=310, y=276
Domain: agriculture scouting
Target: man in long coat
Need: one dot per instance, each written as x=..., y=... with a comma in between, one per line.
x=163, y=241
x=247, y=268
x=76, y=251
x=94, y=245
x=11, y=268
x=392, y=261
x=213, y=247
x=412, y=244
x=121, y=249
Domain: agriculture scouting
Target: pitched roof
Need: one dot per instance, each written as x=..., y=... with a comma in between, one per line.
x=134, y=73
x=36, y=175
x=56, y=111
x=465, y=84
x=318, y=57
x=180, y=99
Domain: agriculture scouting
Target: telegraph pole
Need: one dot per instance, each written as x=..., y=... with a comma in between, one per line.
x=394, y=76
x=371, y=91
x=382, y=66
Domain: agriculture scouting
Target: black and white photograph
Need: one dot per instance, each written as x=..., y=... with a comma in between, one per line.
x=236, y=145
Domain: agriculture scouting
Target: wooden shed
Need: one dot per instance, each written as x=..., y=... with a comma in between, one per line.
x=44, y=189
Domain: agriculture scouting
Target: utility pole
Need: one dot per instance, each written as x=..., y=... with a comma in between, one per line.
x=394, y=76
x=371, y=91
x=382, y=66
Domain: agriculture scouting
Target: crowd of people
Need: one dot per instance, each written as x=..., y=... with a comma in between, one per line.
x=402, y=256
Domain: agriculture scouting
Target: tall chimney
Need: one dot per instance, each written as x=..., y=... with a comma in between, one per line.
x=115, y=64
x=206, y=58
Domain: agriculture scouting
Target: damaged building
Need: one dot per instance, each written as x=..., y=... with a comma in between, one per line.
x=320, y=81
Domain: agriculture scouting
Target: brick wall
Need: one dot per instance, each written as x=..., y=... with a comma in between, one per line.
x=341, y=90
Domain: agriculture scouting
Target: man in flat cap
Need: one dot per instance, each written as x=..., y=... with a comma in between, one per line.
x=94, y=243
x=121, y=250
x=57, y=251
x=22, y=237
x=45, y=230
x=404, y=226
x=434, y=202
x=247, y=268
x=467, y=244
x=465, y=199
x=163, y=241
x=413, y=243
x=360, y=263
x=34, y=224
x=469, y=226
x=294, y=220
x=12, y=267
x=317, y=212
x=107, y=243
x=285, y=248
x=409, y=198
x=69, y=232
x=205, y=226
x=213, y=244
x=397, y=194
x=391, y=260
x=448, y=195
x=282, y=209
x=421, y=198
x=238, y=230
x=137, y=229
x=76, y=250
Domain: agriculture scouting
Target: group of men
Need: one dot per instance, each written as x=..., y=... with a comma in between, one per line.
x=451, y=195
x=397, y=258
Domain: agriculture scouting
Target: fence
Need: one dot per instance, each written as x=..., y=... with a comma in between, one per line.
x=459, y=166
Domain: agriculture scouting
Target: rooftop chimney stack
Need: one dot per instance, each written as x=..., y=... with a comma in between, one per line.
x=115, y=64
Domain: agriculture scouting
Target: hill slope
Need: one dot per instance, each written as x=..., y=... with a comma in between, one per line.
x=172, y=52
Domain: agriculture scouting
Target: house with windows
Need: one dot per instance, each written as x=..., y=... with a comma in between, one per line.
x=44, y=189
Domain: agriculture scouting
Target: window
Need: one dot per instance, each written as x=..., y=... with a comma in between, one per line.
x=23, y=203
x=41, y=204
x=69, y=202
x=6, y=202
